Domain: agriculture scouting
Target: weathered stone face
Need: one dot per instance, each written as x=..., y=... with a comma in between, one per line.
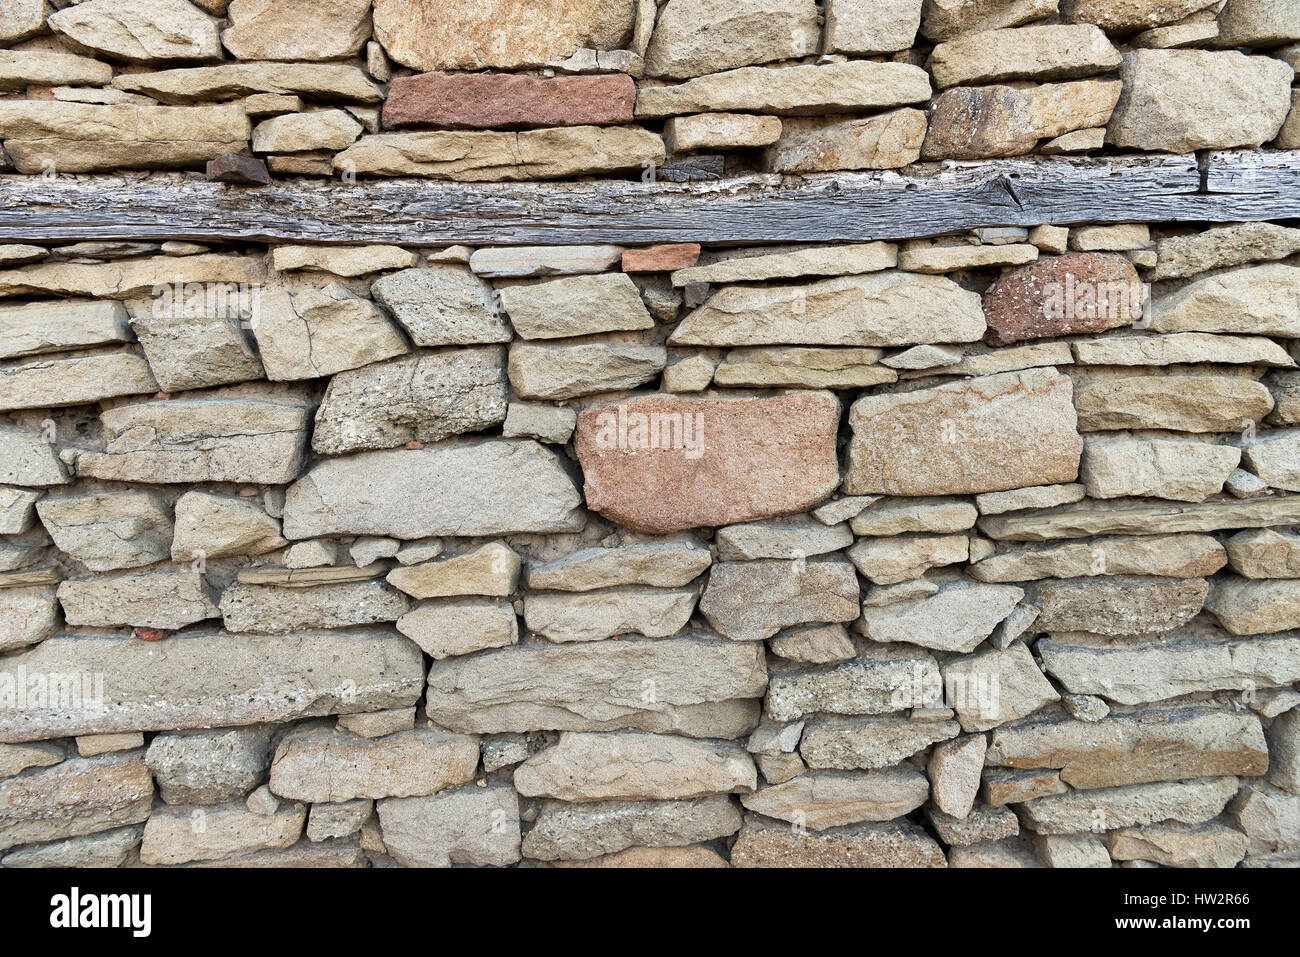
x=201, y=440
x=835, y=798
x=881, y=309
x=581, y=831
x=795, y=90
x=958, y=438
x=109, y=530
x=469, y=825
x=665, y=463
x=469, y=35
x=751, y=601
x=296, y=30
x=1040, y=53
x=1140, y=670
x=317, y=764
x=1139, y=747
x=497, y=101
x=483, y=156
x=595, y=687
x=1178, y=101
x=84, y=137
x=78, y=796
x=441, y=490
x=216, y=679
x=600, y=767
x=1063, y=295
x=985, y=122
x=422, y=398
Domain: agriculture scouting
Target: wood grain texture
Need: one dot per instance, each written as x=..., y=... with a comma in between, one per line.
x=1220, y=187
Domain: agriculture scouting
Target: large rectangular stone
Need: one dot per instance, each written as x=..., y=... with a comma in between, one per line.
x=853, y=86
x=487, y=487
x=685, y=685
x=202, y=440
x=478, y=156
x=1135, y=747
x=319, y=764
x=988, y=434
x=40, y=327
x=325, y=81
x=1190, y=802
x=109, y=684
x=663, y=463
x=79, y=796
x=88, y=137
x=886, y=308
x=56, y=381
x=507, y=101
x=628, y=766
x=1141, y=518
x=1191, y=659
x=134, y=278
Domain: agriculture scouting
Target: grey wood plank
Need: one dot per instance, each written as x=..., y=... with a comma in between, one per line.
x=752, y=209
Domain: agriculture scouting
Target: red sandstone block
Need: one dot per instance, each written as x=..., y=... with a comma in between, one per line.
x=661, y=258
x=1061, y=296
x=503, y=100
x=662, y=463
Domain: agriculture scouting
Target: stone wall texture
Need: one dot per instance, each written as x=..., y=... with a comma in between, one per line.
x=974, y=550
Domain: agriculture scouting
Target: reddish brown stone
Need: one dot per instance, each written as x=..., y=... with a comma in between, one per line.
x=1062, y=296
x=661, y=258
x=240, y=170
x=503, y=100
x=663, y=463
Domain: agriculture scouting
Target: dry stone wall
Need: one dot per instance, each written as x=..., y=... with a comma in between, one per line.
x=978, y=550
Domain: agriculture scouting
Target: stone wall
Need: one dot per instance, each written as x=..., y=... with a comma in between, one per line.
x=967, y=550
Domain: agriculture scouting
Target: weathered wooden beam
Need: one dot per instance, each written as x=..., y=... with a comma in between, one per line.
x=1220, y=187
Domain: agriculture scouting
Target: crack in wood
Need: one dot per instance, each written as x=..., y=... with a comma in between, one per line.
x=760, y=208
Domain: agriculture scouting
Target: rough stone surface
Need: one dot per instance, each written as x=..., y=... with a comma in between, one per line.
x=86, y=137
x=442, y=490
x=1182, y=470
x=490, y=156
x=599, y=686
x=562, y=371
x=1178, y=101
x=1038, y=53
x=314, y=763
x=297, y=29
x=645, y=470
x=77, y=797
x=612, y=767
x=766, y=843
x=464, y=35
x=985, y=122
x=209, y=767
x=752, y=601
x=1159, y=667
x=881, y=309
x=1187, y=802
x=902, y=446
x=575, y=306
x=1063, y=295
x=502, y=101
x=609, y=613
x=107, y=530
x=220, y=679
x=201, y=440
x=857, y=85
x=421, y=398
x=834, y=798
